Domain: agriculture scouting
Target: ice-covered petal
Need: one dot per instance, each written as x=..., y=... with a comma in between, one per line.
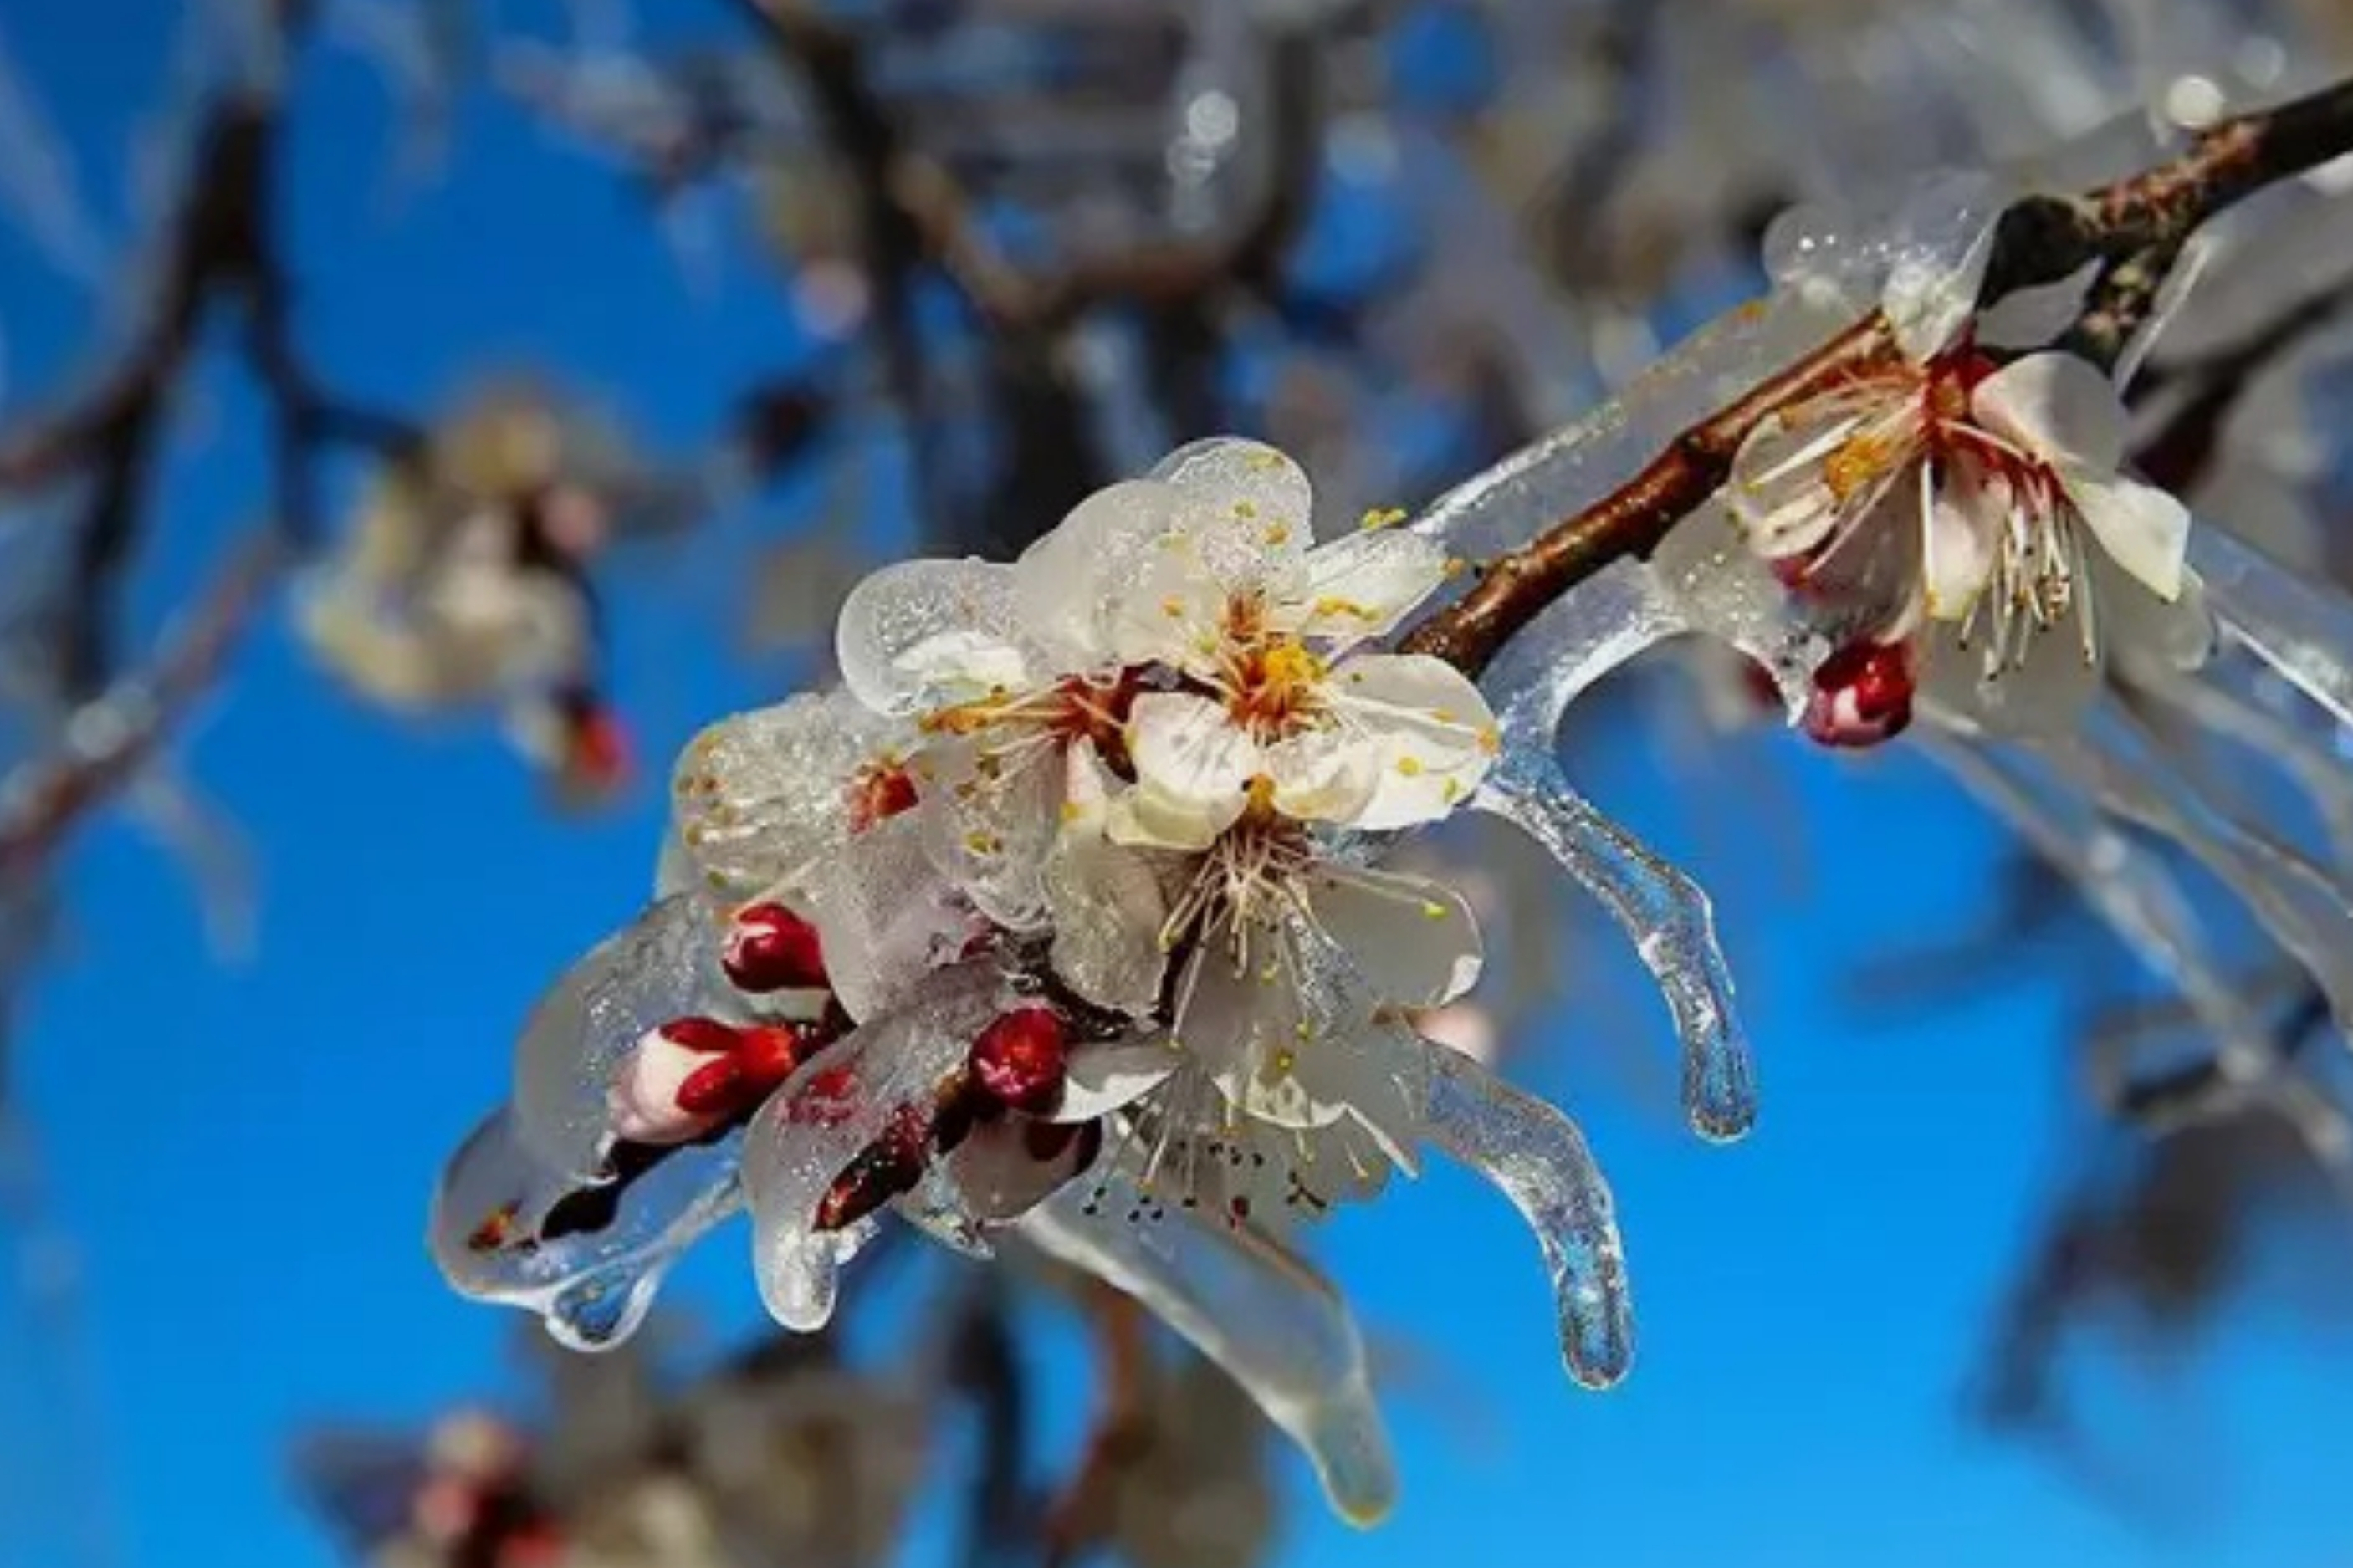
x=2056, y=406
x=1964, y=525
x=1325, y=774
x=588, y=1259
x=1361, y=586
x=886, y=916
x=2043, y=692
x=664, y=965
x=1806, y=471
x=990, y=812
x=1667, y=916
x=1254, y=1307
x=1537, y=1158
x=1107, y=909
x=1104, y=1076
x=1430, y=729
x=928, y=634
x=2144, y=529
x=757, y=797
x=1067, y=580
x=1416, y=941
x=1193, y=768
x=1251, y=483
x=1006, y=1168
x=811, y=1130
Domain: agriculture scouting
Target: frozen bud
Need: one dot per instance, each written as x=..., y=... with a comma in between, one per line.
x=889, y=1167
x=1019, y=1060
x=772, y=949
x=1863, y=695
x=771, y=1053
x=665, y=1089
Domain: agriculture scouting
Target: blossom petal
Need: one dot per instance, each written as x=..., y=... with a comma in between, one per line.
x=1362, y=585
x=588, y=1259
x=927, y=633
x=2144, y=529
x=1326, y=774
x=1807, y=472
x=664, y=965
x=1193, y=768
x=2057, y=407
x=1101, y=1078
x=1962, y=525
x=989, y=816
x=836, y=1106
x=759, y=797
x=1416, y=941
x=1432, y=730
x=885, y=916
x=1253, y=483
x=1070, y=581
x=1253, y=1306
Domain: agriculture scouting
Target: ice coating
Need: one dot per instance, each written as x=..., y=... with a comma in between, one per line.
x=2296, y=624
x=2205, y=703
x=2123, y=882
x=2302, y=907
x=756, y=798
x=1536, y=1156
x=840, y=1103
x=918, y=635
x=1253, y=1306
x=1665, y=912
x=663, y=966
x=886, y=915
x=592, y=1282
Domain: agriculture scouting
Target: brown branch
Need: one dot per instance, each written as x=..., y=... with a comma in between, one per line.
x=2042, y=239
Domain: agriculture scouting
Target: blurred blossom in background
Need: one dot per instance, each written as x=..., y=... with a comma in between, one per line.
x=559, y=369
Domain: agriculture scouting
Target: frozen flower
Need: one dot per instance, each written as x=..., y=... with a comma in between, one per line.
x=1979, y=513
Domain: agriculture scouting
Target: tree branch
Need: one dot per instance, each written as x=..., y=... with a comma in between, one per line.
x=2041, y=240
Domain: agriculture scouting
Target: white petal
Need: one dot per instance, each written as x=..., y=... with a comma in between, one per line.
x=1324, y=775
x=1242, y=1015
x=989, y=817
x=642, y=1099
x=1803, y=473
x=757, y=799
x=1172, y=612
x=886, y=917
x=1252, y=483
x=1362, y=585
x=1193, y=768
x=2144, y=529
x=1068, y=581
x=1435, y=736
x=1962, y=529
x=1105, y=902
x=1102, y=1078
x=926, y=634
x=1415, y=940
x=2056, y=406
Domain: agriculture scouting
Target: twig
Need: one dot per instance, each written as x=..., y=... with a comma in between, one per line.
x=1116, y=1437
x=2041, y=240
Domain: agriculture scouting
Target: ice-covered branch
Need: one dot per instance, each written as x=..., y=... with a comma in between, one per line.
x=2136, y=223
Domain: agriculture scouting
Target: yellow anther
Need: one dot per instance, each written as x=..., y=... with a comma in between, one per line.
x=1410, y=766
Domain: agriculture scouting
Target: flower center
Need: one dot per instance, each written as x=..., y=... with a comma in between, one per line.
x=1273, y=685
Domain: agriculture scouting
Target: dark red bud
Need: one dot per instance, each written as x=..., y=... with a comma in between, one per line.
x=712, y=1090
x=1863, y=695
x=701, y=1034
x=1019, y=1059
x=772, y=1053
x=830, y=1099
x=772, y=949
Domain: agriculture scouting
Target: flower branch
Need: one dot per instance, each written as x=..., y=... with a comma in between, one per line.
x=2137, y=225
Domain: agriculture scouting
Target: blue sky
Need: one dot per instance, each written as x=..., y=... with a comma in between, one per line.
x=240, y=1153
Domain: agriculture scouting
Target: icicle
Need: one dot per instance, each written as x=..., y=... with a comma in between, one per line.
x=2304, y=911
x=1665, y=914
x=2205, y=702
x=1254, y=1307
x=1536, y=1157
x=2298, y=625
x=2126, y=884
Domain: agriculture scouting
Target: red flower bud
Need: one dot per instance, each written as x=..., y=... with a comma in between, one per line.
x=890, y=1165
x=1863, y=695
x=772, y=949
x=698, y=1033
x=714, y=1088
x=1019, y=1059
